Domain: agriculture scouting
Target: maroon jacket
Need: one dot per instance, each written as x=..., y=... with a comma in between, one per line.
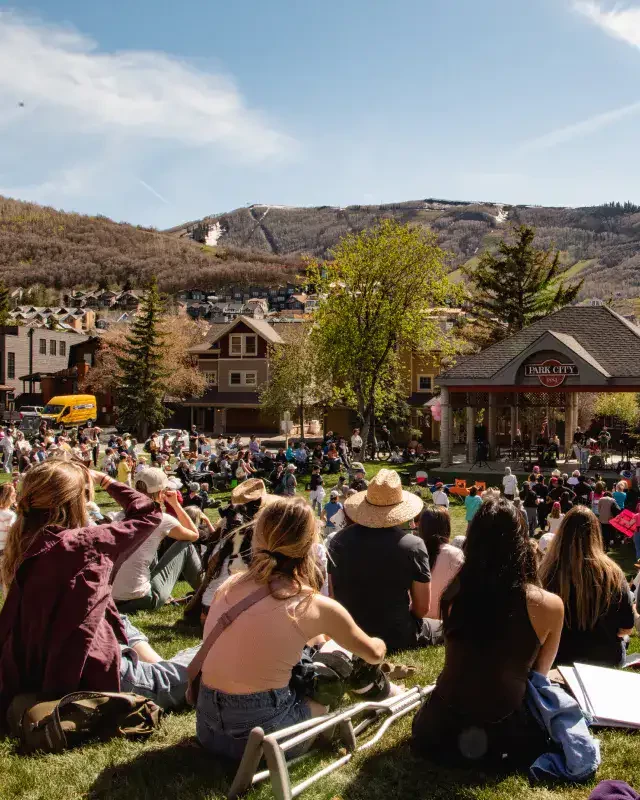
x=59, y=627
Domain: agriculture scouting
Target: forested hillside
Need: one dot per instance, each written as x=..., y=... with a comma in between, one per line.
x=600, y=244
x=263, y=244
x=61, y=250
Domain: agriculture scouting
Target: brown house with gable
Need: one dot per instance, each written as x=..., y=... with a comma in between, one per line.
x=236, y=361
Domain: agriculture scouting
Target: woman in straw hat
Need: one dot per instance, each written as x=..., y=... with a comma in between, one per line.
x=379, y=571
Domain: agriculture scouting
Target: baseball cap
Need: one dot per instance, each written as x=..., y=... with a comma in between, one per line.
x=333, y=493
x=155, y=480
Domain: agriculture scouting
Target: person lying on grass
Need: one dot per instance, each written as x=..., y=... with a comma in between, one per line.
x=247, y=673
x=60, y=631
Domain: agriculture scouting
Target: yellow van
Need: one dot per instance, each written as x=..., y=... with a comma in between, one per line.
x=69, y=410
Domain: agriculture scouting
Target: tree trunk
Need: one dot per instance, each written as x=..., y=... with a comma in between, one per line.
x=143, y=430
x=301, y=419
x=364, y=432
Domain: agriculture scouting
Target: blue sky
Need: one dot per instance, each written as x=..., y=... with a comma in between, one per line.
x=157, y=112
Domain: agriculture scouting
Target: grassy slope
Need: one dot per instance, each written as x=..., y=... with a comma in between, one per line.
x=578, y=267
x=166, y=767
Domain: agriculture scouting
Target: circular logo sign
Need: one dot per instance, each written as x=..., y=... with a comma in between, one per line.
x=554, y=377
x=551, y=373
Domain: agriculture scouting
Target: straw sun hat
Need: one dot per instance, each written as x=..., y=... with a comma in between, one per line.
x=251, y=490
x=384, y=504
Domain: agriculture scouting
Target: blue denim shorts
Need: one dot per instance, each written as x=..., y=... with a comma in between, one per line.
x=224, y=721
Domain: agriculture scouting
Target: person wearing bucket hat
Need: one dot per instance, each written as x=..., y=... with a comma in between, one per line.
x=139, y=586
x=289, y=482
x=379, y=571
x=232, y=553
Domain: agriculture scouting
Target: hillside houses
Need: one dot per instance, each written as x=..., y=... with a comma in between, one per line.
x=105, y=299
x=63, y=318
x=257, y=302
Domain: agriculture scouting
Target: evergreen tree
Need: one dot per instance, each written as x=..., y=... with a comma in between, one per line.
x=141, y=377
x=514, y=287
x=4, y=304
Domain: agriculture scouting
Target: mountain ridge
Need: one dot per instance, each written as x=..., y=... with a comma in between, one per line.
x=598, y=243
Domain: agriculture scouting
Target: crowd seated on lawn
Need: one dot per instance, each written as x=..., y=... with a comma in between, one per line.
x=370, y=571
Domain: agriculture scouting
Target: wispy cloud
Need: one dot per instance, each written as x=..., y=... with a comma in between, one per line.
x=617, y=19
x=578, y=130
x=74, y=118
x=153, y=191
x=621, y=21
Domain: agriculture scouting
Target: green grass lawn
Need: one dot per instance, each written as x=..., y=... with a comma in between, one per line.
x=166, y=767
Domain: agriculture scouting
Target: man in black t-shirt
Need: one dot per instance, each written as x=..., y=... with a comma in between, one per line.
x=380, y=572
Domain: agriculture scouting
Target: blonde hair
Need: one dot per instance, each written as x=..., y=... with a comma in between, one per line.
x=575, y=560
x=194, y=514
x=621, y=486
x=5, y=495
x=282, y=547
x=53, y=492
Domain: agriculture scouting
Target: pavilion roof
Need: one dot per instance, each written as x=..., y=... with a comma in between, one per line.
x=610, y=343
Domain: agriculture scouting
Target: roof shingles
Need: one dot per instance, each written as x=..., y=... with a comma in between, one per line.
x=608, y=338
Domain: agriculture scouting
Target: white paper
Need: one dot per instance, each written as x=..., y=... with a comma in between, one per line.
x=612, y=695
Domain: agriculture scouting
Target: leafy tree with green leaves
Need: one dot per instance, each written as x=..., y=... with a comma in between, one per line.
x=4, y=304
x=376, y=295
x=621, y=405
x=297, y=382
x=514, y=287
x=141, y=377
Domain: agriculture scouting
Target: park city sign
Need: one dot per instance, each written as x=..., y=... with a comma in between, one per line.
x=551, y=373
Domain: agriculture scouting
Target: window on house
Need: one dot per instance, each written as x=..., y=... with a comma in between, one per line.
x=11, y=365
x=43, y=347
x=211, y=378
x=235, y=345
x=243, y=378
x=425, y=383
x=53, y=347
x=63, y=348
x=250, y=345
x=243, y=344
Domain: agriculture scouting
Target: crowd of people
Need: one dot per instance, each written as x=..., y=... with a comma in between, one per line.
x=280, y=584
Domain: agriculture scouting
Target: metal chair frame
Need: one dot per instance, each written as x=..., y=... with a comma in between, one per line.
x=275, y=746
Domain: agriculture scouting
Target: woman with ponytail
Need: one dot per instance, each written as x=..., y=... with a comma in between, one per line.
x=59, y=628
x=246, y=673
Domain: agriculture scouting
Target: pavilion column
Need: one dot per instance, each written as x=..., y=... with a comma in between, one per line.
x=492, y=418
x=570, y=409
x=446, y=428
x=471, y=434
x=514, y=421
x=575, y=411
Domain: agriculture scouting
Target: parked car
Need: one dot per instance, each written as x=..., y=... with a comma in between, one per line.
x=30, y=411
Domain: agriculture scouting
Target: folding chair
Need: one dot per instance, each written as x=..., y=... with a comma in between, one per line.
x=459, y=487
x=275, y=746
x=481, y=485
